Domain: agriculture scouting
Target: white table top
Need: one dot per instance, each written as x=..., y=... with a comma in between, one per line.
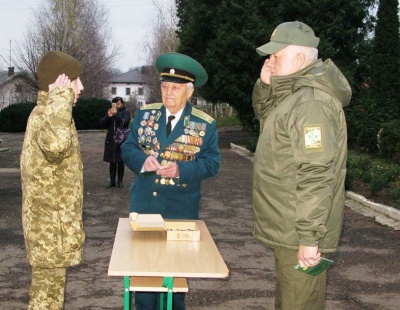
x=150, y=254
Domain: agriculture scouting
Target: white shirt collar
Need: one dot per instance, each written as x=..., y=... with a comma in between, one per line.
x=176, y=119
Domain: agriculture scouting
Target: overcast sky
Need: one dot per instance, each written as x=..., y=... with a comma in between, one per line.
x=130, y=21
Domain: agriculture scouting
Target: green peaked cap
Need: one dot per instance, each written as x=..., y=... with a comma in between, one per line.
x=179, y=68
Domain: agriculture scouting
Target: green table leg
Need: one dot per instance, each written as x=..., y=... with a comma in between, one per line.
x=127, y=294
x=169, y=284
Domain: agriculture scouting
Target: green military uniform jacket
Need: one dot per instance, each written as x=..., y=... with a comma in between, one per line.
x=300, y=160
x=192, y=144
x=52, y=183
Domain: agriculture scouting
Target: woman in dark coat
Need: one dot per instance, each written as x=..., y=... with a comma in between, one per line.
x=116, y=117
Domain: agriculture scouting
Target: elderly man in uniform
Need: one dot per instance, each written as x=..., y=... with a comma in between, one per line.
x=171, y=148
x=300, y=161
x=52, y=181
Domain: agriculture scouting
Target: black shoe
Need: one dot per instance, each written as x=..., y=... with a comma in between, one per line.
x=111, y=184
x=120, y=184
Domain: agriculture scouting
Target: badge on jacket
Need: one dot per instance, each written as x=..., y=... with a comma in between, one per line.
x=313, y=137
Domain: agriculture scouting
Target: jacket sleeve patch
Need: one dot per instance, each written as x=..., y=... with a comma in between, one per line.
x=312, y=137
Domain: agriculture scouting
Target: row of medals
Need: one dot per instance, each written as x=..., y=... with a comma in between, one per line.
x=183, y=148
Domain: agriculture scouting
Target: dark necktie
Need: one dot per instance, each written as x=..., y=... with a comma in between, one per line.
x=170, y=118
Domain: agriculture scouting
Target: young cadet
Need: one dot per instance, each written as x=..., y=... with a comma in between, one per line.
x=52, y=181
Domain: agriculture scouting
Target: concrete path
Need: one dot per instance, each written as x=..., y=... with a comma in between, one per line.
x=365, y=275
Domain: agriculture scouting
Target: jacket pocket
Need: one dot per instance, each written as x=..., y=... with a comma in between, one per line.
x=40, y=240
x=72, y=235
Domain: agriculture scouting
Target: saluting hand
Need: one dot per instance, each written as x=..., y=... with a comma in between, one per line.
x=61, y=80
x=265, y=74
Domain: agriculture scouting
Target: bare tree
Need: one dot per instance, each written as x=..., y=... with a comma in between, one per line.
x=161, y=40
x=77, y=27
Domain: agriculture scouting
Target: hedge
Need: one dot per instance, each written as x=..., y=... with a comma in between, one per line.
x=86, y=114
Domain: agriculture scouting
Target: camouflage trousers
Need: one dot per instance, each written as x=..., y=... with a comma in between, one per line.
x=47, y=289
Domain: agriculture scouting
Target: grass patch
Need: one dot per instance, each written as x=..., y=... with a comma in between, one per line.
x=380, y=175
x=228, y=121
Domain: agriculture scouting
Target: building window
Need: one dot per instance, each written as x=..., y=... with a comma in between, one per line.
x=18, y=88
x=127, y=91
x=113, y=90
x=141, y=91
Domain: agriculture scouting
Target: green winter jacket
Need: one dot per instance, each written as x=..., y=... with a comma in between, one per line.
x=300, y=162
x=52, y=183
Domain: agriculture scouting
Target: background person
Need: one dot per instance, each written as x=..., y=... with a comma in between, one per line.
x=300, y=161
x=52, y=181
x=169, y=168
x=115, y=118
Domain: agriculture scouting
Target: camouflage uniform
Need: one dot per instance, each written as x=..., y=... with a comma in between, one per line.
x=52, y=196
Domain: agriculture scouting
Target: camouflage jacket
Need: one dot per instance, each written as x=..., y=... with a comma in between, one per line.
x=52, y=183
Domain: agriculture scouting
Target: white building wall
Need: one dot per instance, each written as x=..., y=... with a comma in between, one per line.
x=129, y=92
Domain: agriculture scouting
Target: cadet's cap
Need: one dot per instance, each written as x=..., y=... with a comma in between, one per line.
x=54, y=63
x=179, y=68
x=290, y=33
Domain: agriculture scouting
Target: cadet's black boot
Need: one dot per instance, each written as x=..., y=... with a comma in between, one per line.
x=113, y=172
x=121, y=168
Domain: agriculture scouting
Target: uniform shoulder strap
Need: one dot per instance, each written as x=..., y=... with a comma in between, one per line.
x=151, y=106
x=202, y=115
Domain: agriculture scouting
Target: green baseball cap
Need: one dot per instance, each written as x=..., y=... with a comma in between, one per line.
x=290, y=33
x=179, y=68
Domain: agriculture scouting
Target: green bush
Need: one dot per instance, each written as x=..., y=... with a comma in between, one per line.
x=379, y=173
x=228, y=121
x=86, y=114
x=389, y=141
x=395, y=195
x=14, y=117
x=252, y=144
x=378, y=184
x=349, y=182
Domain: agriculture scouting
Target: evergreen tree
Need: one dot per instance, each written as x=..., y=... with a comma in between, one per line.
x=223, y=35
x=380, y=102
x=341, y=26
x=385, y=75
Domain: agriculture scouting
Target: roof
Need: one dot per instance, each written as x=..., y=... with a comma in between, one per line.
x=5, y=78
x=134, y=76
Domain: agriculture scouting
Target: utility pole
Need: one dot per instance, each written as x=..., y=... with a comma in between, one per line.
x=10, y=54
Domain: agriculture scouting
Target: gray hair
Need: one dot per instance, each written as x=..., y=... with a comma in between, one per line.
x=310, y=53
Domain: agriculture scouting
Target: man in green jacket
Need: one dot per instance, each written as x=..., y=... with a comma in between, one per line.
x=300, y=161
x=52, y=181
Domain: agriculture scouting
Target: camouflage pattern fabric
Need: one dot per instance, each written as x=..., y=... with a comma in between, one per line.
x=47, y=289
x=52, y=183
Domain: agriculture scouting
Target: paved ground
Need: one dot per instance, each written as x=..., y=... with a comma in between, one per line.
x=365, y=275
